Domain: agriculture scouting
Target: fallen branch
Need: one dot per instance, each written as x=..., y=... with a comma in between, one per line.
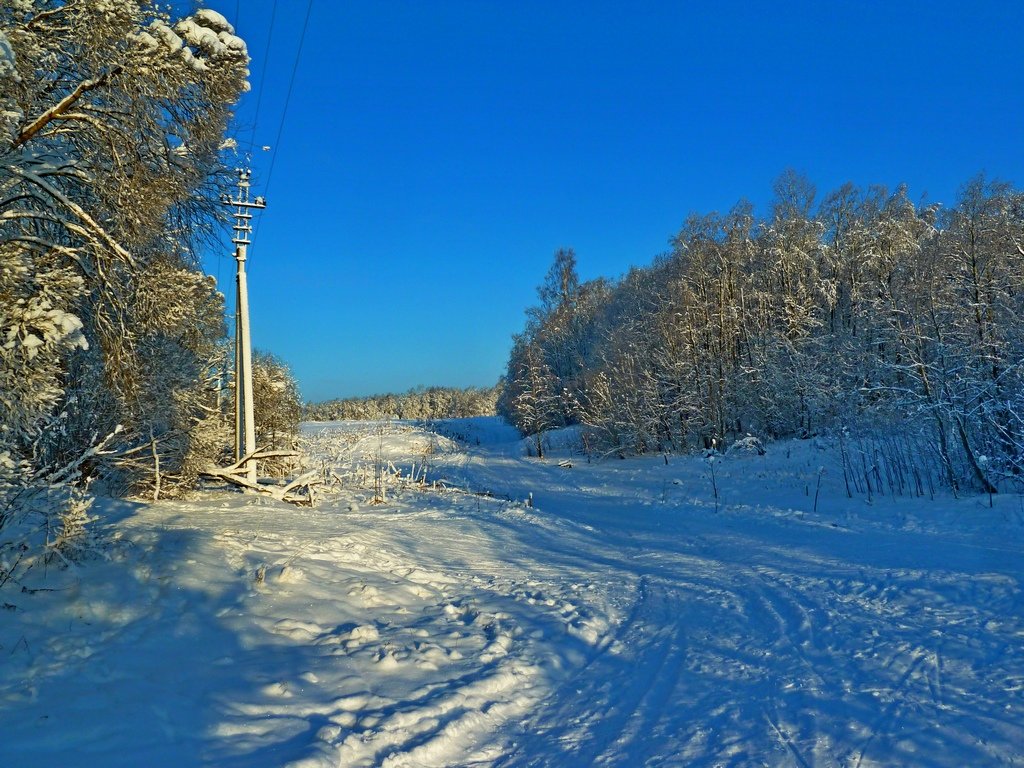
x=299, y=491
x=239, y=467
x=71, y=471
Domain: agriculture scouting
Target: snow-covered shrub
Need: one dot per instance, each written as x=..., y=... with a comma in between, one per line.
x=40, y=526
x=37, y=334
x=746, y=446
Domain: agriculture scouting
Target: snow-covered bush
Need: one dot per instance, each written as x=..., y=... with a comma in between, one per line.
x=746, y=446
x=40, y=524
x=37, y=333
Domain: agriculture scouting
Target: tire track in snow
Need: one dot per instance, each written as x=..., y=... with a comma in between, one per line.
x=794, y=633
x=560, y=723
x=785, y=739
x=650, y=714
x=641, y=708
x=883, y=723
x=743, y=637
x=913, y=691
x=593, y=721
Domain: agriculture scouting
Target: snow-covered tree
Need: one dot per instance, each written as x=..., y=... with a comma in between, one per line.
x=531, y=399
x=864, y=313
x=111, y=120
x=419, y=403
x=277, y=402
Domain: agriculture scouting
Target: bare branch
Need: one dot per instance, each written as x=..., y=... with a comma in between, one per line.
x=64, y=105
x=75, y=208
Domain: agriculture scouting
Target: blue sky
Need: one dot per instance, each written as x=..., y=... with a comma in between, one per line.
x=436, y=154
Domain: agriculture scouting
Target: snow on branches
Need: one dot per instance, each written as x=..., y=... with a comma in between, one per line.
x=863, y=312
x=112, y=115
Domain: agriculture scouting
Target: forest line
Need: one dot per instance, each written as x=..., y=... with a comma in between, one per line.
x=862, y=314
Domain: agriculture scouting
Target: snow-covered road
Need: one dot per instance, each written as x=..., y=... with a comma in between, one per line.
x=621, y=620
x=761, y=634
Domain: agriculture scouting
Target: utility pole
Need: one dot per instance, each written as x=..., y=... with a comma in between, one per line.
x=245, y=416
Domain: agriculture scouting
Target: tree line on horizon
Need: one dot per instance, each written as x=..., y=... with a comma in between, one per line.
x=859, y=313
x=418, y=403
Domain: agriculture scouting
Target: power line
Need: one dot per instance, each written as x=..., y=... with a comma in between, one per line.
x=284, y=113
x=288, y=98
x=263, y=75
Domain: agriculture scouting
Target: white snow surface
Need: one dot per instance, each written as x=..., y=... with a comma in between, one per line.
x=8, y=62
x=213, y=20
x=619, y=621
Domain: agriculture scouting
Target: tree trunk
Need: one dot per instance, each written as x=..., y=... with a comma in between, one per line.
x=979, y=473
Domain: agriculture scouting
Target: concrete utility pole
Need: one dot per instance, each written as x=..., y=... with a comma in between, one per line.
x=245, y=417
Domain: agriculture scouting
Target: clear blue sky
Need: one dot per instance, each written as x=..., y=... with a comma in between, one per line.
x=436, y=154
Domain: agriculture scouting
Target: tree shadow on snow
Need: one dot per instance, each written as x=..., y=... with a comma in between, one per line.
x=141, y=660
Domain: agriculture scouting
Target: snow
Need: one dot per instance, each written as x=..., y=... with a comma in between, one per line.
x=210, y=36
x=162, y=31
x=206, y=31
x=213, y=20
x=11, y=115
x=8, y=61
x=618, y=621
x=36, y=323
